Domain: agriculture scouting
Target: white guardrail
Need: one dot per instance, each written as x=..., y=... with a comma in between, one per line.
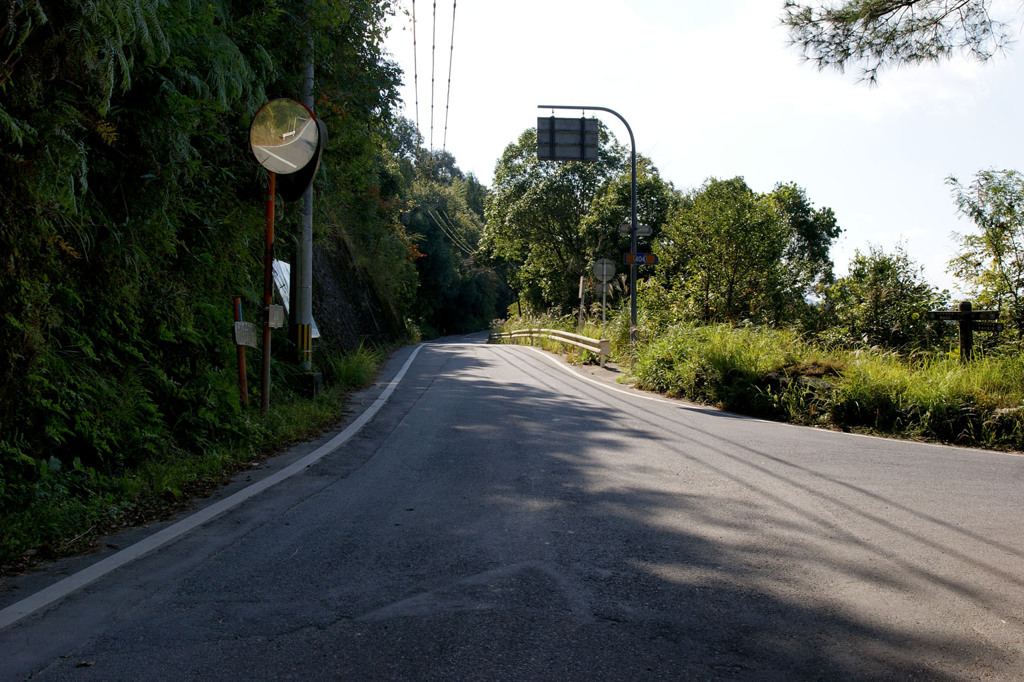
x=602, y=347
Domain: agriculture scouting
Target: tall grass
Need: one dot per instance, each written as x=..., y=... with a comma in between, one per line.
x=778, y=374
x=934, y=397
x=716, y=364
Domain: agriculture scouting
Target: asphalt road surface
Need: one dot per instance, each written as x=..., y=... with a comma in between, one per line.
x=504, y=517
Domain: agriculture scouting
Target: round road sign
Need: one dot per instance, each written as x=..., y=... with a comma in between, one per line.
x=604, y=269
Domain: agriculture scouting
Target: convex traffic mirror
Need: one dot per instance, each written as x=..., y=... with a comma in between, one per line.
x=284, y=136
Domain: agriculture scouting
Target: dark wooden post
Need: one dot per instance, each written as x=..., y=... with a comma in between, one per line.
x=966, y=332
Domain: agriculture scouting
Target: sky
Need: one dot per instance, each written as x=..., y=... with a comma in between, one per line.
x=714, y=89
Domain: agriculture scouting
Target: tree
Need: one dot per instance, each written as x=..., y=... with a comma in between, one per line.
x=443, y=217
x=735, y=254
x=726, y=243
x=882, y=301
x=881, y=33
x=655, y=197
x=132, y=208
x=537, y=228
x=992, y=261
x=807, y=264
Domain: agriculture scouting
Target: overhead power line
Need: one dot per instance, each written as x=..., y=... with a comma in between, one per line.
x=451, y=223
x=415, y=70
x=433, y=45
x=447, y=101
x=449, y=231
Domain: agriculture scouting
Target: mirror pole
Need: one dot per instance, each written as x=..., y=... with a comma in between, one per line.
x=268, y=289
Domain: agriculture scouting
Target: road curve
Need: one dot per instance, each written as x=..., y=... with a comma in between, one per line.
x=502, y=517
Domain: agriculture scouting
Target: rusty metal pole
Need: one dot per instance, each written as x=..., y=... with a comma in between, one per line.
x=268, y=289
x=243, y=385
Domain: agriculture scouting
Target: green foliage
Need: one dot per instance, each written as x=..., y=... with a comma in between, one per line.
x=67, y=505
x=730, y=254
x=715, y=364
x=807, y=265
x=883, y=301
x=882, y=33
x=991, y=261
x=722, y=248
x=132, y=212
x=444, y=219
x=934, y=397
x=777, y=374
x=350, y=370
x=447, y=234
x=539, y=228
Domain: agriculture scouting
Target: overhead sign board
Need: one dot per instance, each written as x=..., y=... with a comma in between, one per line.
x=566, y=139
x=639, y=258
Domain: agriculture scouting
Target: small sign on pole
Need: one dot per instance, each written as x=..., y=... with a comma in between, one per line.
x=640, y=258
x=641, y=230
x=274, y=316
x=604, y=270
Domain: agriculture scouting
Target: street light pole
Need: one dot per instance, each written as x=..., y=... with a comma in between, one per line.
x=632, y=209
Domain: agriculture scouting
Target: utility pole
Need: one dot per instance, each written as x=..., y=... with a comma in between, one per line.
x=304, y=256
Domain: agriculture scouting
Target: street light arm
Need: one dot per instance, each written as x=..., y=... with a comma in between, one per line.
x=632, y=206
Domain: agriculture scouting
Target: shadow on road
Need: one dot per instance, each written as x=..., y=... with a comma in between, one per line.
x=502, y=520
x=713, y=559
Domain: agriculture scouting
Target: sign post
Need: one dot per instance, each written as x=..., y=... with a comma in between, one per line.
x=243, y=386
x=583, y=301
x=968, y=320
x=604, y=270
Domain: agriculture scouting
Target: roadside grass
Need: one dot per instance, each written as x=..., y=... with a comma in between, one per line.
x=778, y=374
x=71, y=505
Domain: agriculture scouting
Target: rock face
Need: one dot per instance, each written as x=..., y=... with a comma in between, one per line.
x=347, y=310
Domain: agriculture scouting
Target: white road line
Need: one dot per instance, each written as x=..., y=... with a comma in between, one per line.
x=269, y=153
x=63, y=588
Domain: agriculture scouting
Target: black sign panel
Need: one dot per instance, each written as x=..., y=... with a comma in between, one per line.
x=566, y=139
x=957, y=315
